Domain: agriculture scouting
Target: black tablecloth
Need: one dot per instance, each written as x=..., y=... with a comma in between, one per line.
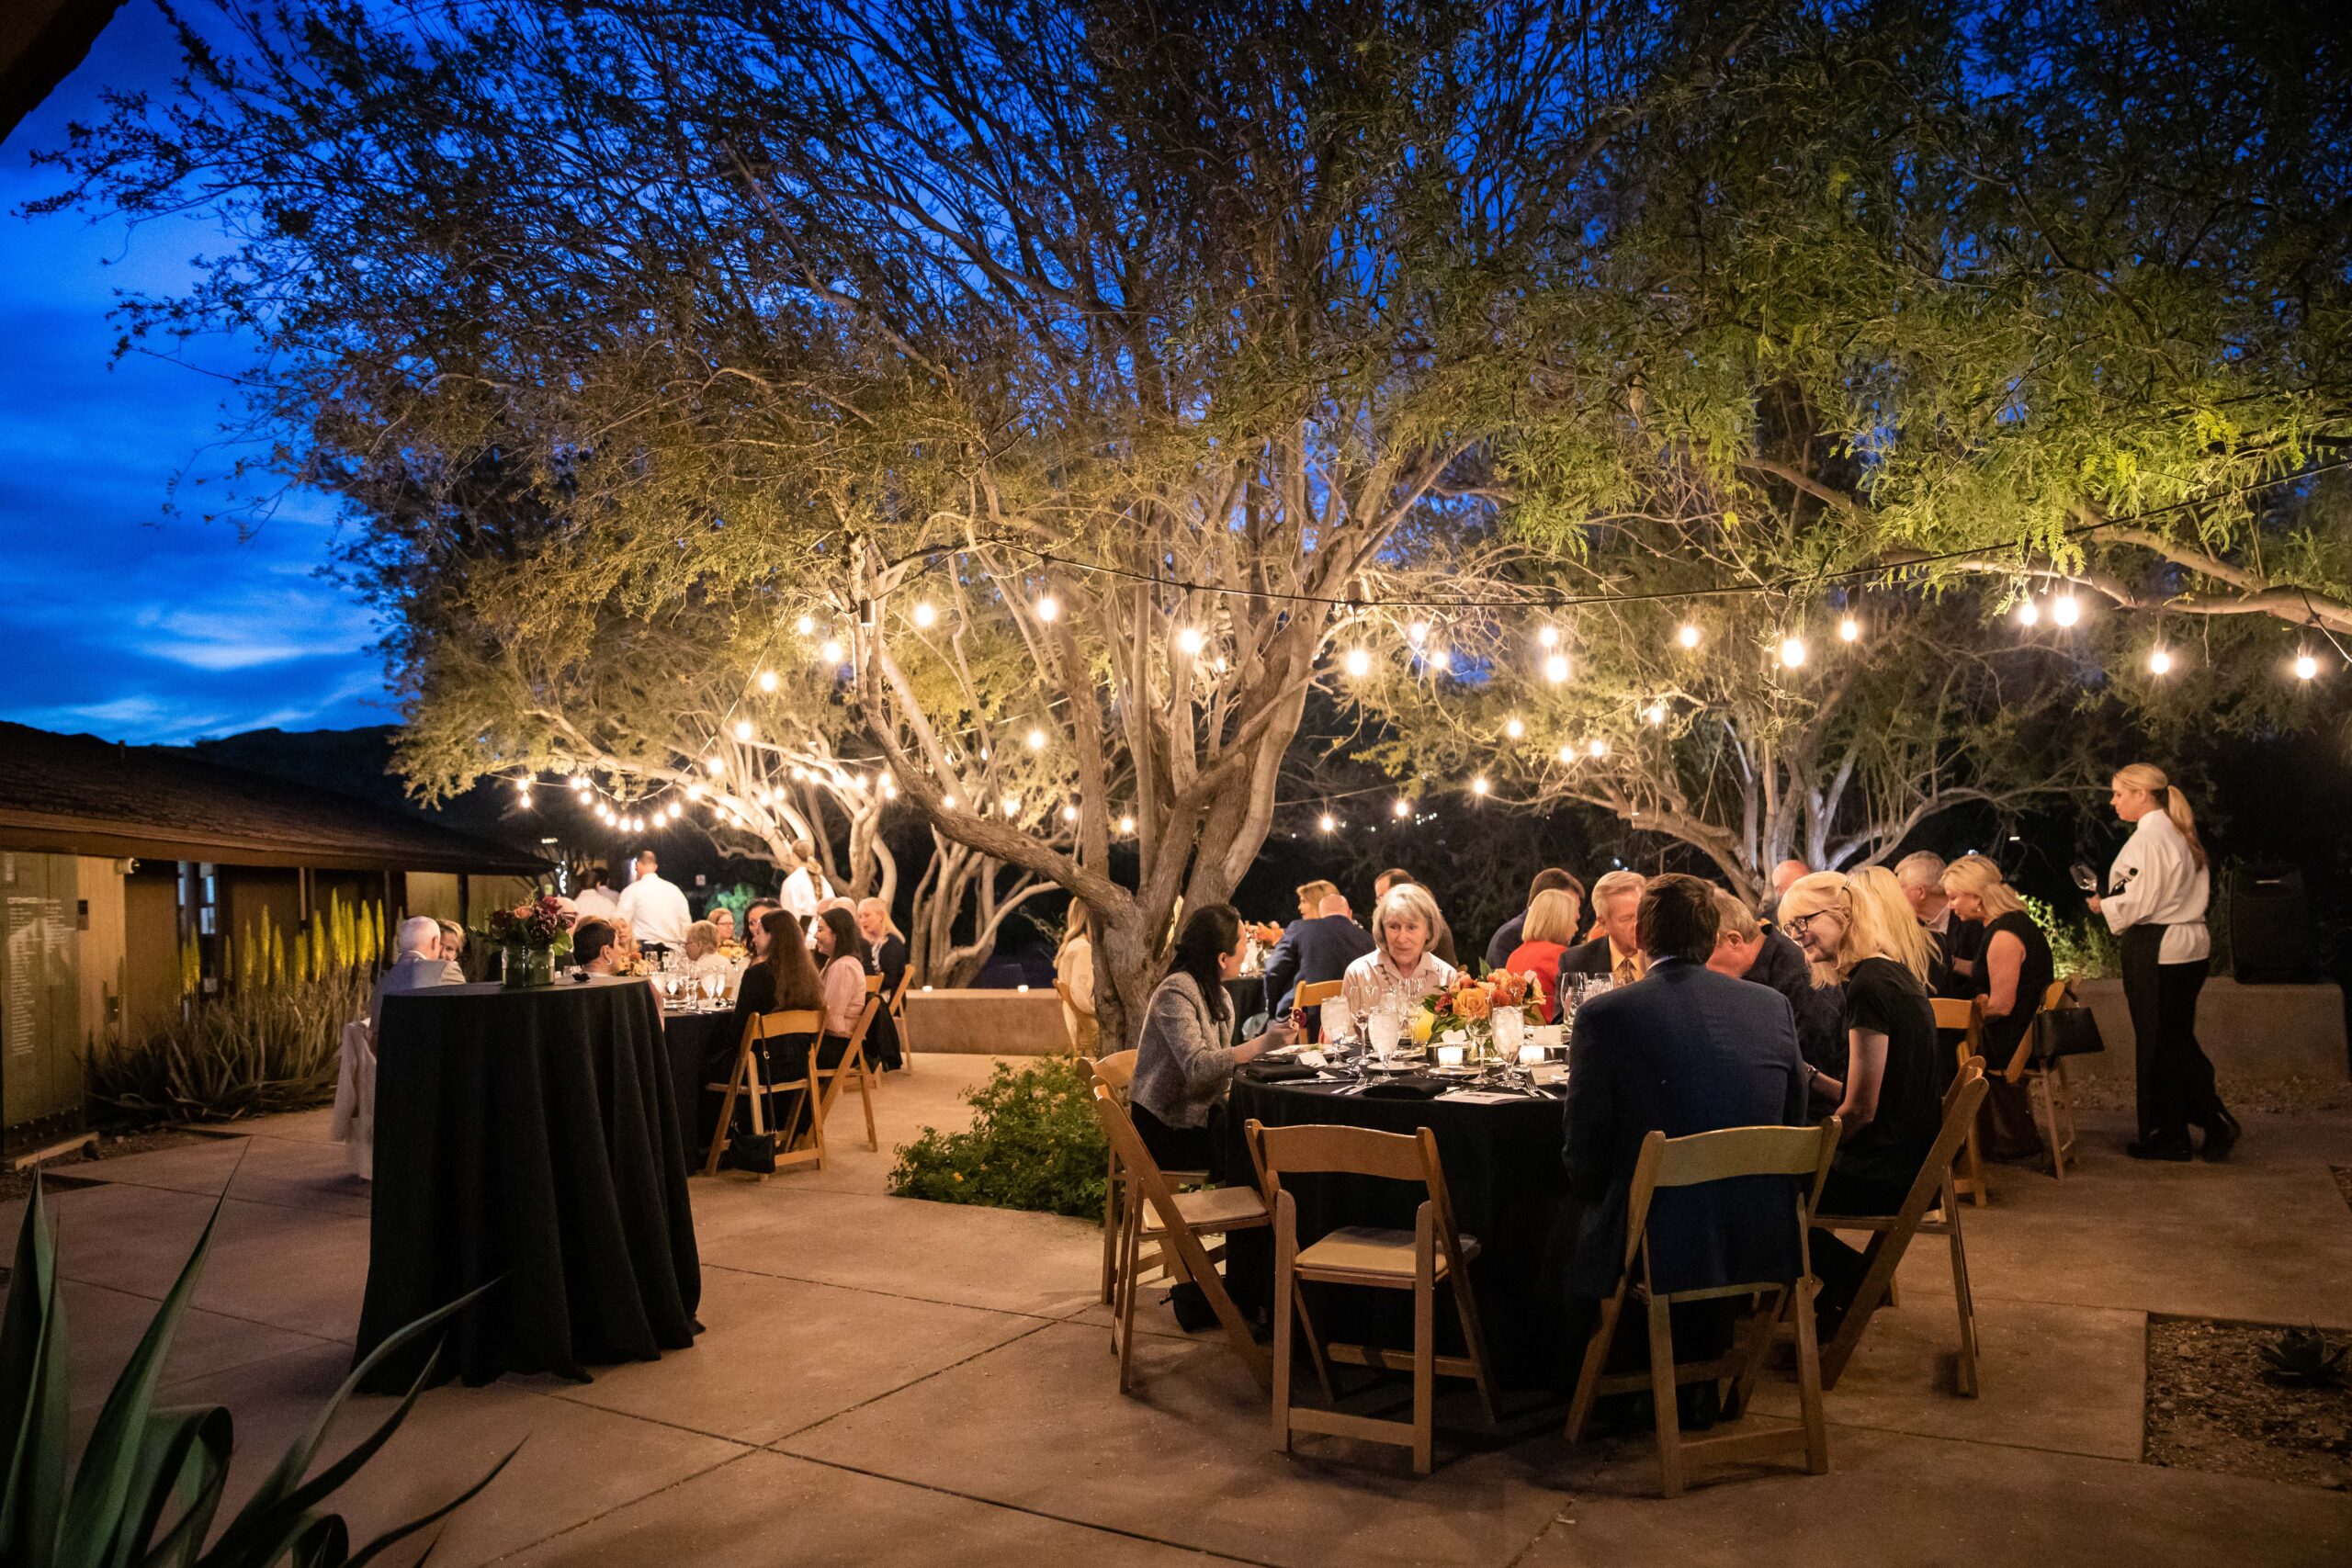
x=1247, y=994
x=1503, y=1172
x=530, y=1137
x=702, y=1051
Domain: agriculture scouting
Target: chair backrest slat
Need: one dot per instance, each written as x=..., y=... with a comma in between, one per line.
x=2057, y=993
x=874, y=985
x=1738, y=1151
x=1958, y=1012
x=1117, y=1070
x=1346, y=1151
x=1316, y=993
x=778, y=1025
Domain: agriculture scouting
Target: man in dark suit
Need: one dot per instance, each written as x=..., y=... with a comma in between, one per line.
x=1686, y=1050
x=1319, y=949
x=1507, y=937
x=1616, y=952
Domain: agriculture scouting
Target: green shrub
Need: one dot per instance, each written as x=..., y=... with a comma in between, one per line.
x=1034, y=1143
x=263, y=1047
x=2083, y=949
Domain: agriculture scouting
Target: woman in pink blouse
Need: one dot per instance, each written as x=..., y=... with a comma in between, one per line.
x=841, y=956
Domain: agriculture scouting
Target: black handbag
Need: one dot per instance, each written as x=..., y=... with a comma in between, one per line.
x=2071, y=1029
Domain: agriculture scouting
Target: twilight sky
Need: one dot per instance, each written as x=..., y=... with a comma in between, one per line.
x=122, y=618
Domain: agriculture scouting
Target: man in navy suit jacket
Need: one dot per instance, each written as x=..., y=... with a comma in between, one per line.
x=1319, y=949
x=1685, y=1050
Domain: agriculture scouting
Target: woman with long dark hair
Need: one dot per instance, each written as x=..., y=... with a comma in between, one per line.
x=2156, y=901
x=842, y=949
x=1185, y=1058
x=783, y=981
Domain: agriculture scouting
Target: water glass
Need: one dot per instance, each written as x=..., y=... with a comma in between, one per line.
x=1383, y=1029
x=1339, y=1023
x=1510, y=1025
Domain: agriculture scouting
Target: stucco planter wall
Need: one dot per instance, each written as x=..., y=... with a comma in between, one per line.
x=986, y=1023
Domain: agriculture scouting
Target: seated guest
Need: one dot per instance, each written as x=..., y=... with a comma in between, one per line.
x=1890, y=1099
x=1784, y=876
x=722, y=923
x=702, y=949
x=1311, y=896
x=1906, y=940
x=886, y=954
x=1687, y=1051
x=1549, y=927
x=1952, y=939
x=1400, y=968
x=416, y=963
x=626, y=952
x=453, y=950
x=756, y=927
x=1506, y=940
x=1616, y=952
x=1443, y=942
x=1074, y=979
x=1747, y=949
x=1186, y=1058
x=840, y=967
x=784, y=981
x=595, y=947
x=1314, y=950
x=2016, y=968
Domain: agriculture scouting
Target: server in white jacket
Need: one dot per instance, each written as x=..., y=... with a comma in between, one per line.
x=2155, y=902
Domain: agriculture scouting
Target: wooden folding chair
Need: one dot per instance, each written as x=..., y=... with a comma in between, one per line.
x=1176, y=1221
x=1309, y=998
x=851, y=1066
x=897, y=1005
x=1967, y=1018
x=744, y=1078
x=1433, y=1252
x=2053, y=1103
x=1115, y=1072
x=1802, y=1153
x=1891, y=1236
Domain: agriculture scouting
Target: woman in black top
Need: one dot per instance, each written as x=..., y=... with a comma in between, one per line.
x=2014, y=972
x=886, y=954
x=784, y=980
x=1891, y=1099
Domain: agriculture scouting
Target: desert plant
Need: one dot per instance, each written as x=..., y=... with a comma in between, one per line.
x=259, y=1048
x=2304, y=1356
x=2079, y=949
x=151, y=1480
x=1034, y=1143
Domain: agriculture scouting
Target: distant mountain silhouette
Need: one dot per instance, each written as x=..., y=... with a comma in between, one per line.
x=358, y=762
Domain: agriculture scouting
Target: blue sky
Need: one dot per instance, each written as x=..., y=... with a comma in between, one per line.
x=123, y=616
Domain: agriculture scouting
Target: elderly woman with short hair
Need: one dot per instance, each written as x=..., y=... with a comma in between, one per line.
x=1400, y=968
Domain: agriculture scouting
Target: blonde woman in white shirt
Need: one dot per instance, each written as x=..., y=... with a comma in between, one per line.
x=1400, y=965
x=2155, y=902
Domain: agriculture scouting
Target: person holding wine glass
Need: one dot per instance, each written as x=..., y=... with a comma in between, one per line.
x=2156, y=898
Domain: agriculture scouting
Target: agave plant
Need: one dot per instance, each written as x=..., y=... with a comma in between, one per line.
x=151, y=1480
x=2302, y=1355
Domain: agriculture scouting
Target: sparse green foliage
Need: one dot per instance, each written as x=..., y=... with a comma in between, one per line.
x=1034, y=1143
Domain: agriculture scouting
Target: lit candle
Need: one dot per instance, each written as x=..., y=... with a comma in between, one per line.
x=1529, y=1055
x=1449, y=1056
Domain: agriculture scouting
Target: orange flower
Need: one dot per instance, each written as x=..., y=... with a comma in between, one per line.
x=1472, y=1005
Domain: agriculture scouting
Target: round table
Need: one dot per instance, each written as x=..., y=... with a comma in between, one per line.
x=528, y=1137
x=1508, y=1189
x=702, y=1051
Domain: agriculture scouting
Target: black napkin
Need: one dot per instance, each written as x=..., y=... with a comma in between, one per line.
x=1276, y=1072
x=1412, y=1086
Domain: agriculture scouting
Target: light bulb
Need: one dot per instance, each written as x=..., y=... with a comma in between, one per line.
x=1069, y=813
x=1440, y=659
x=804, y=624
x=2159, y=662
x=523, y=788
x=717, y=766
x=1793, y=652
x=1555, y=667
x=743, y=729
x=1401, y=809
x=2065, y=610
x=1567, y=753
x=1326, y=822
x=1850, y=630
x=2028, y=614
x=1655, y=713
x=829, y=651
x=1689, y=636
x=1358, y=663
x=694, y=792
x=1189, y=641
x=1478, y=786
x=1514, y=728
x=1599, y=747
x=767, y=680
x=1219, y=665
x=1012, y=804
x=1126, y=824
x=1037, y=740
x=947, y=803
x=1417, y=633
x=799, y=774
x=2305, y=667
x=1549, y=636
x=926, y=616
x=1049, y=608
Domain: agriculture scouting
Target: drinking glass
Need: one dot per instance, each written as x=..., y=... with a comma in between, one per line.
x=2085, y=878
x=1339, y=1023
x=1510, y=1025
x=1383, y=1029
x=714, y=985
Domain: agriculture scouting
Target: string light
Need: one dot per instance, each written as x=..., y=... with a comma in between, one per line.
x=925, y=616
x=1049, y=608
x=1478, y=786
x=1417, y=633
x=1440, y=660
x=829, y=651
x=1401, y=809
x=1358, y=663
x=1549, y=636
x=1514, y=728
x=1555, y=667
x=1326, y=822
x=1037, y=740
x=1012, y=804
x=1850, y=630
x=1189, y=641
x=947, y=803
x=717, y=766
x=2306, y=667
x=743, y=729
x=1599, y=747
x=1567, y=753
x=523, y=788
x=1069, y=813
x=1126, y=824
x=1655, y=713
x=1689, y=636
x=804, y=624
x=1219, y=665
x=2028, y=614
x=2065, y=610
x=1793, y=652
x=2159, y=661
x=767, y=680
x=694, y=792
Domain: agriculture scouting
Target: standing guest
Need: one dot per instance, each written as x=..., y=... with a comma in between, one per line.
x=1400, y=968
x=1890, y=1099
x=1952, y=938
x=1549, y=928
x=784, y=981
x=806, y=890
x=416, y=964
x=2017, y=969
x=840, y=963
x=1688, y=1051
x=654, y=907
x=1747, y=949
x=1311, y=896
x=1784, y=876
x=594, y=900
x=1506, y=940
x=2155, y=902
x=1074, y=979
x=1314, y=950
x=1442, y=944
x=595, y=947
x=453, y=951
x=1184, y=1058
x=886, y=954
x=1616, y=952
x=1907, y=943
x=722, y=923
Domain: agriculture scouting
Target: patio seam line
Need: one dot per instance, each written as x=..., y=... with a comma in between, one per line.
x=1208, y=1551
x=216, y=1311
x=617, y=1507
x=896, y=1295
x=230, y=1197
x=926, y=1377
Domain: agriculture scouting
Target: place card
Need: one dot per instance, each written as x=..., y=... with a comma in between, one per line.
x=1479, y=1097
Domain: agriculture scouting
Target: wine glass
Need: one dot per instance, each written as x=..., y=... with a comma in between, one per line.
x=714, y=985
x=2085, y=878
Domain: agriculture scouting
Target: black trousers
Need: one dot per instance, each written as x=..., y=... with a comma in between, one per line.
x=1837, y=1263
x=2176, y=1077
x=1182, y=1149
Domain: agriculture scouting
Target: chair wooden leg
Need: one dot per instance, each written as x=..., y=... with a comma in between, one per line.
x=1662, y=1402
x=865, y=1093
x=1110, y=1226
x=2065, y=1099
x=1424, y=1360
x=1965, y=1301
x=1976, y=1192
x=1474, y=1339
x=1817, y=1427
x=1285, y=1287
x=1878, y=1276
x=1122, y=1321
x=1761, y=1327
x=725, y=1116
x=1596, y=1357
x=2045, y=1086
x=1314, y=1336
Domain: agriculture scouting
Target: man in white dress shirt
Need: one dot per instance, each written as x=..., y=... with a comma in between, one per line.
x=653, y=907
x=595, y=901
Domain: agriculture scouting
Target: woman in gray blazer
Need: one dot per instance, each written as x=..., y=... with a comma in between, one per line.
x=1185, y=1059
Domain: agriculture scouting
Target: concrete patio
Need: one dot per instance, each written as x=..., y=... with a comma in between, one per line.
x=889, y=1382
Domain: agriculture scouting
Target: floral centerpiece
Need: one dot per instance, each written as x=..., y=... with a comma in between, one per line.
x=532, y=932
x=1469, y=1005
